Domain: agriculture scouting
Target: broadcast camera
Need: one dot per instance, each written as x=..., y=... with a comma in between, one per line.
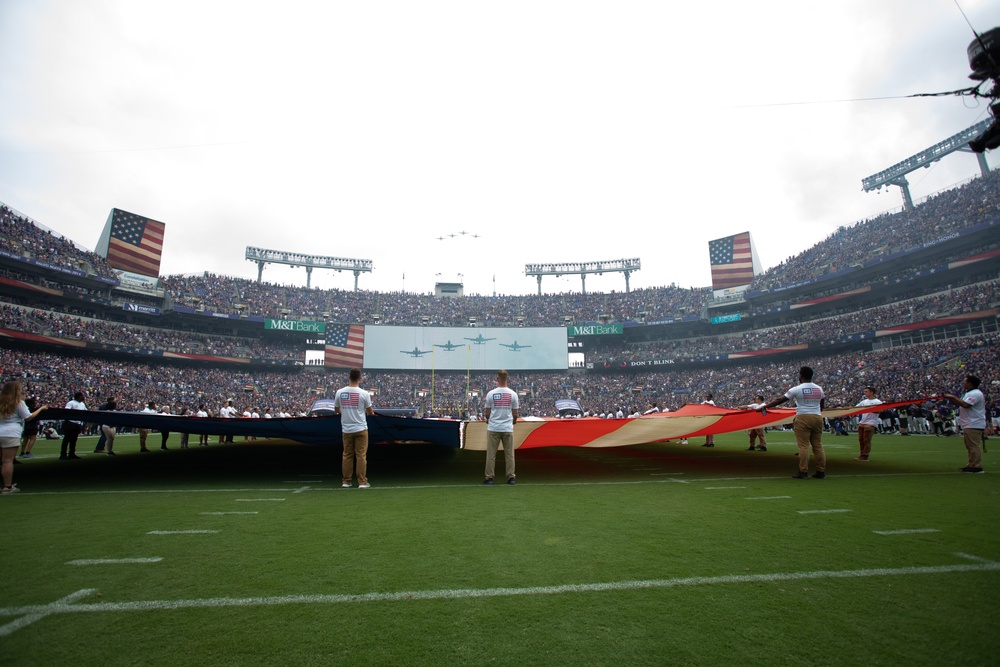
x=984, y=60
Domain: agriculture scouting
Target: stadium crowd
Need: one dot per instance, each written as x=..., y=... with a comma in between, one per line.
x=900, y=373
x=966, y=299
x=907, y=372
x=945, y=213
x=21, y=236
x=74, y=328
x=969, y=299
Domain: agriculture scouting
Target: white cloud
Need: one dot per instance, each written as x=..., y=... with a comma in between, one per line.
x=558, y=131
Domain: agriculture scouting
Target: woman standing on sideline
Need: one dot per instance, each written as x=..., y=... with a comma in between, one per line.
x=13, y=413
x=30, y=433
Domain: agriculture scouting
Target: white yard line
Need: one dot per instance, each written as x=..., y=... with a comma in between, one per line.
x=907, y=531
x=114, y=561
x=30, y=613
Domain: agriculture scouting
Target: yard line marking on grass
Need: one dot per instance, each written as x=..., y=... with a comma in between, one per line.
x=748, y=478
x=114, y=561
x=768, y=497
x=301, y=489
x=182, y=532
x=65, y=605
x=41, y=611
x=823, y=511
x=225, y=513
x=718, y=488
x=973, y=558
x=112, y=492
x=259, y=500
x=905, y=531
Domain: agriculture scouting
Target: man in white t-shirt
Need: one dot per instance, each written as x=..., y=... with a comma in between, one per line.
x=501, y=414
x=354, y=405
x=150, y=409
x=228, y=411
x=972, y=419
x=808, y=425
x=867, y=424
x=72, y=428
x=203, y=413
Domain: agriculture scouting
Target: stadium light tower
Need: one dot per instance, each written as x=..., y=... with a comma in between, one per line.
x=626, y=266
x=264, y=256
x=896, y=174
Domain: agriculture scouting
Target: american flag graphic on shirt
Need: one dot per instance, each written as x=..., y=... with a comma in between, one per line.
x=350, y=399
x=502, y=399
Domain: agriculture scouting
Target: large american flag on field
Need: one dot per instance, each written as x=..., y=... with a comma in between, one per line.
x=345, y=345
x=732, y=261
x=136, y=243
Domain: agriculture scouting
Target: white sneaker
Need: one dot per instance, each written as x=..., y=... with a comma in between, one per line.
x=366, y=485
x=11, y=489
x=345, y=485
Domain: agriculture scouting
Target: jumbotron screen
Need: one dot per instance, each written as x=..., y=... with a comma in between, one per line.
x=456, y=348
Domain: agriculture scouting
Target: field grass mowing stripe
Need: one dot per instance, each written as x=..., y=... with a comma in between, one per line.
x=906, y=531
x=823, y=511
x=768, y=497
x=719, y=488
x=114, y=561
x=66, y=604
x=259, y=500
x=182, y=532
x=225, y=513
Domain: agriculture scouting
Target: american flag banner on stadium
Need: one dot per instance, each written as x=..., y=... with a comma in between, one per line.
x=345, y=345
x=732, y=261
x=135, y=244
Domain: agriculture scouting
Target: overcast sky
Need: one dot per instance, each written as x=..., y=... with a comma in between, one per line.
x=558, y=131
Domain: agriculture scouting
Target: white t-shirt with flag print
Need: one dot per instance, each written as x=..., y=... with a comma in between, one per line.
x=502, y=402
x=808, y=397
x=353, y=403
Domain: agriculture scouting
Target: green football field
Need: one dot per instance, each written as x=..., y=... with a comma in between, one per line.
x=251, y=554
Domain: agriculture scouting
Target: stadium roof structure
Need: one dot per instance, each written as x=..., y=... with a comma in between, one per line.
x=896, y=174
x=264, y=256
x=626, y=266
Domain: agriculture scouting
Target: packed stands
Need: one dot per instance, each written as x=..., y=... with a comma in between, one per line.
x=55, y=297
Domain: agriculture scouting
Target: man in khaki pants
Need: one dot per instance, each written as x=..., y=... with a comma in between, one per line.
x=808, y=424
x=501, y=413
x=354, y=404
